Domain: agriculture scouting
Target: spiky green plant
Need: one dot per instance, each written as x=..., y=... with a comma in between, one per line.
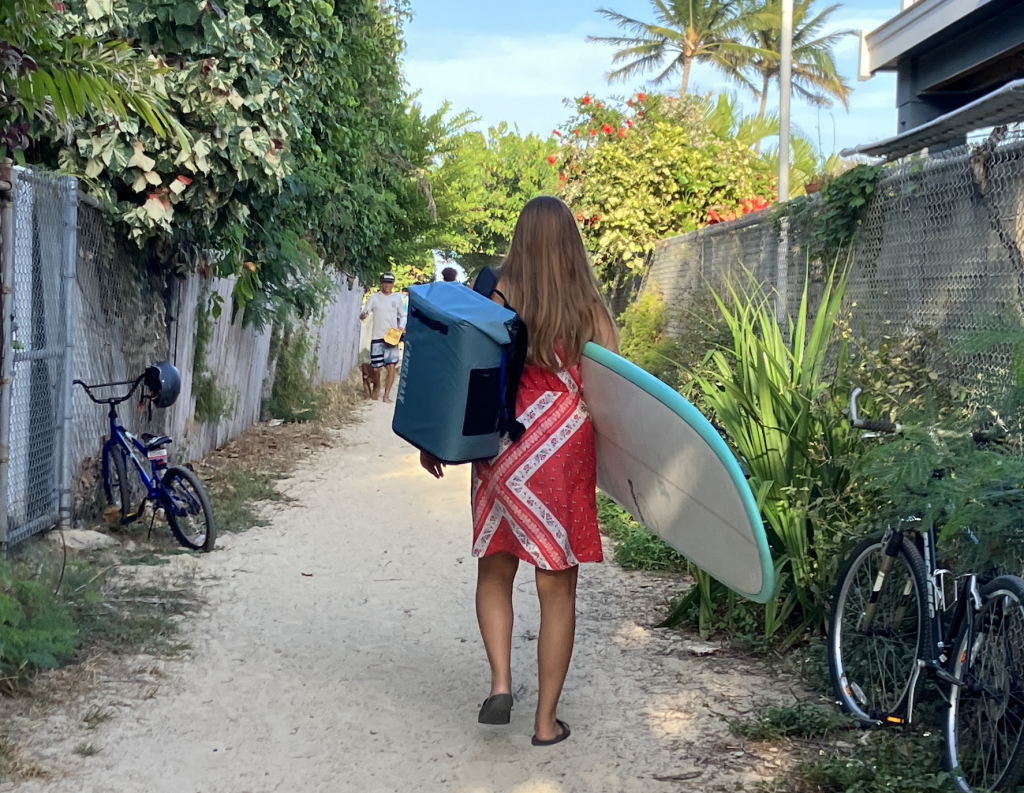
x=766, y=392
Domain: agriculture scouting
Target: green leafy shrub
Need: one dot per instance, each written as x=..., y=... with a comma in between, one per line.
x=294, y=396
x=639, y=172
x=36, y=631
x=830, y=222
x=644, y=341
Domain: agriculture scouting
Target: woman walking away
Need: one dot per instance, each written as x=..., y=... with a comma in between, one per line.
x=535, y=501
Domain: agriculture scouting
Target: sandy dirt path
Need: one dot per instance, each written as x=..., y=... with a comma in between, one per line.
x=338, y=651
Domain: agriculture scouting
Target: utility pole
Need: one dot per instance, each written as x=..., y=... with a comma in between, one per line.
x=785, y=89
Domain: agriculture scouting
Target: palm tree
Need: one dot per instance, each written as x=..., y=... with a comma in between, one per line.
x=726, y=120
x=61, y=78
x=684, y=31
x=815, y=76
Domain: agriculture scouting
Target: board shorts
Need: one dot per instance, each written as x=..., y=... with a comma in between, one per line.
x=382, y=354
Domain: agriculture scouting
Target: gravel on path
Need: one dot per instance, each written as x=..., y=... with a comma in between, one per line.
x=338, y=651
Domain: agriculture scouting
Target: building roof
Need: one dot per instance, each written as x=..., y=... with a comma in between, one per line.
x=1003, y=106
x=915, y=24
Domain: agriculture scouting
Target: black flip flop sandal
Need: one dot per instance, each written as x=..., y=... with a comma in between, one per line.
x=496, y=710
x=566, y=732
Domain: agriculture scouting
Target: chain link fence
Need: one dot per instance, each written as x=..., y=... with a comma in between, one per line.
x=938, y=254
x=38, y=278
x=82, y=302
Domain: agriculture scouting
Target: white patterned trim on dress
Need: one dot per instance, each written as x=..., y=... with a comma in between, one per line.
x=517, y=483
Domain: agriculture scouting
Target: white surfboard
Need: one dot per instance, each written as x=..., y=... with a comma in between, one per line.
x=660, y=460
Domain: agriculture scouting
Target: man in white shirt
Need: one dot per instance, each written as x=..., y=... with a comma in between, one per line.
x=388, y=312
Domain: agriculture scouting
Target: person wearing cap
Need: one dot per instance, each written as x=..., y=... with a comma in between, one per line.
x=388, y=310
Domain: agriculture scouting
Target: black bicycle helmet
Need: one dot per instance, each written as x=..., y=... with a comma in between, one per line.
x=163, y=384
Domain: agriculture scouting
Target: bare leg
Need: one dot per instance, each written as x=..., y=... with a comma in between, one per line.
x=495, y=576
x=557, y=592
x=389, y=380
x=375, y=380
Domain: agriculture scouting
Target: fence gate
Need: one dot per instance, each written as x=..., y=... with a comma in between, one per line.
x=39, y=246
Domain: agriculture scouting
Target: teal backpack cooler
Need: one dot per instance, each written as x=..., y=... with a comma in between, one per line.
x=463, y=357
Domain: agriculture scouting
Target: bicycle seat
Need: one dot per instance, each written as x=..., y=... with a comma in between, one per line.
x=154, y=441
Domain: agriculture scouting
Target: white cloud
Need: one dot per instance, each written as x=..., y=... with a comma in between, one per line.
x=524, y=79
x=521, y=80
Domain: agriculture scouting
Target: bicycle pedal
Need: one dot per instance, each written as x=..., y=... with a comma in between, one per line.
x=894, y=720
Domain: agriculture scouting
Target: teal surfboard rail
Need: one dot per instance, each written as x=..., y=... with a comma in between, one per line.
x=695, y=419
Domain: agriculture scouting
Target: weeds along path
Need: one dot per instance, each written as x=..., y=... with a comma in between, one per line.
x=338, y=651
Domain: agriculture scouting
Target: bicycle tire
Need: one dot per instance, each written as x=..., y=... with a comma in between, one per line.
x=991, y=698
x=858, y=669
x=116, y=486
x=186, y=507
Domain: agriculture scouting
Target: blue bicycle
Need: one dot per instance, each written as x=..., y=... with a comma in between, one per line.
x=176, y=489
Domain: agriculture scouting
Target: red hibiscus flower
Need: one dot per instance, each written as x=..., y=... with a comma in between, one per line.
x=579, y=216
x=576, y=132
x=629, y=103
x=629, y=123
x=622, y=132
x=599, y=104
x=556, y=133
x=593, y=132
x=641, y=97
x=586, y=100
x=607, y=129
x=595, y=219
x=552, y=159
x=713, y=217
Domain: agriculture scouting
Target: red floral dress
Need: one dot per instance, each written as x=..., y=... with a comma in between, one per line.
x=536, y=498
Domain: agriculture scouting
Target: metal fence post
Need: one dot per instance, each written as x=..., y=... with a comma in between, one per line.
x=782, y=275
x=6, y=332
x=68, y=280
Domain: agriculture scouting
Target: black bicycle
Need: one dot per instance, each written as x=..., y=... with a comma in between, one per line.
x=176, y=489
x=895, y=613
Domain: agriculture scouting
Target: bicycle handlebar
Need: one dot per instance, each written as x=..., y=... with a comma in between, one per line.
x=111, y=400
x=878, y=425
x=871, y=425
x=994, y=434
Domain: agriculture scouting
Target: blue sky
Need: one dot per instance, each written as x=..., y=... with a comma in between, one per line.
x=517, y=61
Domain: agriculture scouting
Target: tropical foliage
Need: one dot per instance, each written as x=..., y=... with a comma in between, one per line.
x=640, y=170
x=46, y=76
x=767, y=393
x=814, y=74
x=683, y=32
x=305, y=149
x=739, y=38
x=481, y=186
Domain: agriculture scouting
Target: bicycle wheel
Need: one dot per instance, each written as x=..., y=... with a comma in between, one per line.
x=189, y=512
x=985, y=724
x=872, y=662
x=117, y=485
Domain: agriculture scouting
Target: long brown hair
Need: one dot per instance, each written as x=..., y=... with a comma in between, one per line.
x=548, y=280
